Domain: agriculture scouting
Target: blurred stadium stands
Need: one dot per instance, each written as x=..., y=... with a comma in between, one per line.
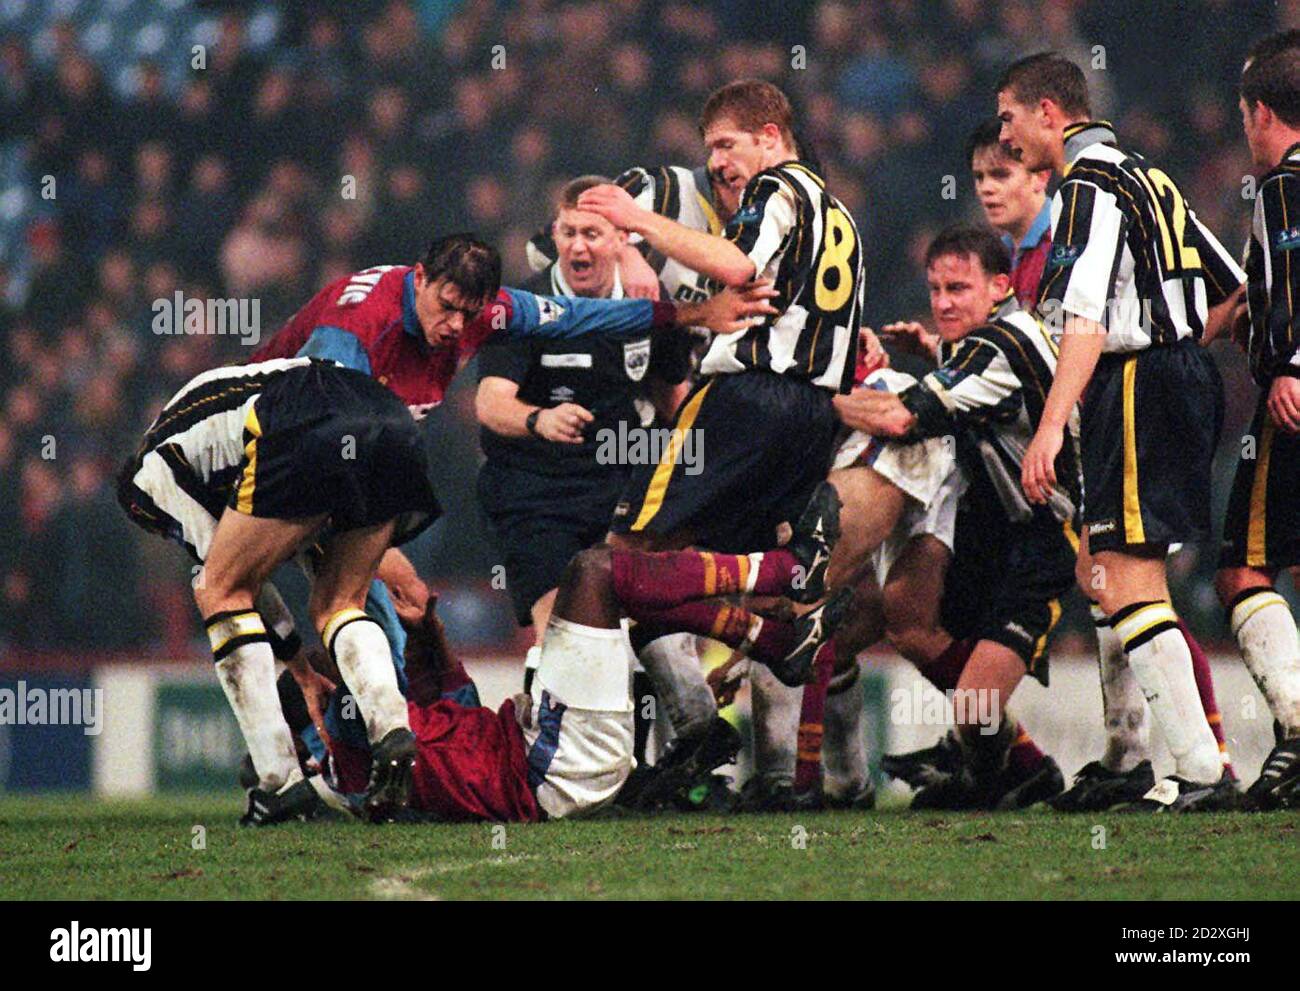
x=126, y=173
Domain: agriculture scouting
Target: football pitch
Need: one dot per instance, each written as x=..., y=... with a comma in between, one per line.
x=191, y=848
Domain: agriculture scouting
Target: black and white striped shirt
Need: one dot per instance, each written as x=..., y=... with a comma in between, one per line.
x=993, y=384
x=802, y=238
x=1127, y=250
x=1273, y=271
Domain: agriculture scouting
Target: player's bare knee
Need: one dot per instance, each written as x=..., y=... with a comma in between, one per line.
x=590, y=569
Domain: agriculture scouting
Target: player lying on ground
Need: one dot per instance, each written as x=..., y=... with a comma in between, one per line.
x=247, y=466
x=566, y=748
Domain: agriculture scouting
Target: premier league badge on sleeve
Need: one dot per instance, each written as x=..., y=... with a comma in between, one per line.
x=636, y=358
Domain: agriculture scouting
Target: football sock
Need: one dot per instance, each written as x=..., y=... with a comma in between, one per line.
x=1266, y=633
x=365, y=662
x=760, y=637
x=1024, y=754
x=1205, y=688
x=278, y=621
x=1125, y=710
x=945, y=670
x=812, y=715
x=662, y=579
x=245, y=668
x=844, y=745
x=673, y=664
x=1162, y=664
x=776, y=709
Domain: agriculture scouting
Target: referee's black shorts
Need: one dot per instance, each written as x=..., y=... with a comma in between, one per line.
x=327, y=439
x=763, y=443
x=1150, y=422
x=541, y=521
x=1262, y=527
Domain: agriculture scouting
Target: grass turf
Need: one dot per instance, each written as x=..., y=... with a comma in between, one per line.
x=62, y=847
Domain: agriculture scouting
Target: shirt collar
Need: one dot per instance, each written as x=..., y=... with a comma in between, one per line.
x=410, y=321
x=1041, y=225
x=1290, y=153
x=1005, y=306
x=1086, y=132
x=562, y=287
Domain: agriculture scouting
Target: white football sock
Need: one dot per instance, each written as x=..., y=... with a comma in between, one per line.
x=673, y=664
x=775, y=710
x=245, y=668
x=1128, y=730
x=1160, y=659
x=1266, y=633
x=844, y=744
x=365, y=661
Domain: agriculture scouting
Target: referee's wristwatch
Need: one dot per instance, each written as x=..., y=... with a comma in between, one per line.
x=531, y=422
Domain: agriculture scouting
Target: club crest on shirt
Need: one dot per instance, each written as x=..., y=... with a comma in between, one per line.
x=1287, y=239
x=636, y=358
x=1063, y=256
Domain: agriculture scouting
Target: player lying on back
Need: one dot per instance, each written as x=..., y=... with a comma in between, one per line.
x=566, y=747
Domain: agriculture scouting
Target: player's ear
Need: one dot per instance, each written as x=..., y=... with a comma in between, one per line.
x=1001, y=284
x=421, y=279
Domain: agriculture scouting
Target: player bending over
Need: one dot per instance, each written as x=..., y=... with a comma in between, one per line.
x=245, y=467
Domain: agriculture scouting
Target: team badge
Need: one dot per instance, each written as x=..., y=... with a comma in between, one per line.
x=1063, y=256
x=1287, y=239
x=636, y=359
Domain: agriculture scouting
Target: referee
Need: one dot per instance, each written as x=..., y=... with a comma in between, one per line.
x=545, y=406
x=1136, y=278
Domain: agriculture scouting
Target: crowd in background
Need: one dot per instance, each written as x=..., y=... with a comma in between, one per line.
x=319, y=138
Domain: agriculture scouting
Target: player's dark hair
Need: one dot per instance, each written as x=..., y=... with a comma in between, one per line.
x=987, y=135
x=471, y=265
x=750, y=103
x=1048, y=76
x=971, y=239
x=1271, y=76
x=569, y=193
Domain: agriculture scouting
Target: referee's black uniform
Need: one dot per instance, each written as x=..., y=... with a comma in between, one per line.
x=547, y=501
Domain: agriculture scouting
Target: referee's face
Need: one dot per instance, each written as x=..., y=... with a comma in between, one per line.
x=961, y=294
x=588, y=247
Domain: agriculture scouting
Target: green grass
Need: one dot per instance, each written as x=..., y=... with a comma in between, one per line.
x=77, y=848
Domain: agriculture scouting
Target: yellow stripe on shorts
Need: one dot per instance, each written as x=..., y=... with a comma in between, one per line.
x=1133, y=530
x=654, y=497
x=248, y=478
